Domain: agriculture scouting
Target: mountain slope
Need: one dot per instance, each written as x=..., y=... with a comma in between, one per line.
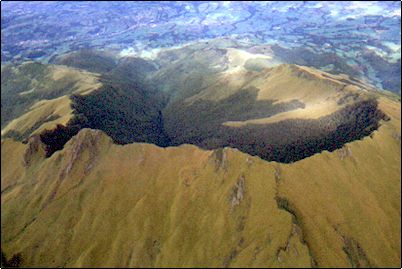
x=156, y=212
x=140, y=205
x=348, y=201
x=34, y=96
x=78, y=189
x=207, y=97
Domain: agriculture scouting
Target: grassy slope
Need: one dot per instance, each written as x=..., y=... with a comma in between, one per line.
x=140, y=205
x=45, y=102
x=319, y=91
x=356, y=197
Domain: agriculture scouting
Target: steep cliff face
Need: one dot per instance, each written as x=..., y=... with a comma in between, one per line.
x=95, y=203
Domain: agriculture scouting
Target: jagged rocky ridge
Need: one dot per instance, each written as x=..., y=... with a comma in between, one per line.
x=77, y=168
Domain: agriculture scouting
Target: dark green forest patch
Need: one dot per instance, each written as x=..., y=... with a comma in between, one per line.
x=286, y=141
x=130, y=107
x=128, y=115
x=202, y=121
x=123, y=113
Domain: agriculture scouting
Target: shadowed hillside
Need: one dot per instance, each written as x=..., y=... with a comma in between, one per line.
x=192, y=95
x=90, y=60
x=34, y=96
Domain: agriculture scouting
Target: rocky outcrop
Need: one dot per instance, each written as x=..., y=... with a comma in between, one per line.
x=238, y=192
x=85, y=140
x=219, y=157
x=35, y=150
x=345, y=152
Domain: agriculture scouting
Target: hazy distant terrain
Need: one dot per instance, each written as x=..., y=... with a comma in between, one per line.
x=361, y=38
